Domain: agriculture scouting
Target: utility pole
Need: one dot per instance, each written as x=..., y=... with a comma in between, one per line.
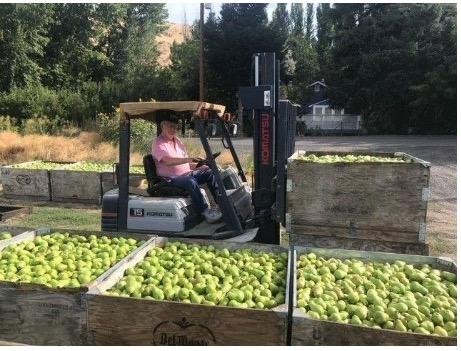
x=202, y=55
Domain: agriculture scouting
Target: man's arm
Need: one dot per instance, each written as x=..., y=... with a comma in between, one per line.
x=175, y=161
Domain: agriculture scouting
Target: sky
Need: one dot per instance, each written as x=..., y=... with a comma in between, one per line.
x=189, y=12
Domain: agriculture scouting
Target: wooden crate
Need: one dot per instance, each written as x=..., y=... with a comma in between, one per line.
x=130, y=321
x=308, y=331
x=8, y=212
x=366, y=206
x=108, y=181
x=75, y=186
x=27, y=184
x=15, y=231
x=38, y=315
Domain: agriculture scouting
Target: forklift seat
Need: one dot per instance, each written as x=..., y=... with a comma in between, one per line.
x=158, y=186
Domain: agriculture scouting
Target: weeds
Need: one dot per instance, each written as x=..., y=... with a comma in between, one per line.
x=87, y=146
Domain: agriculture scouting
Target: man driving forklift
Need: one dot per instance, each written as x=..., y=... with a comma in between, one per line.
x=174, y=164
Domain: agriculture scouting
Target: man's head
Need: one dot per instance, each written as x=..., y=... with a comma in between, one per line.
x=169, y=126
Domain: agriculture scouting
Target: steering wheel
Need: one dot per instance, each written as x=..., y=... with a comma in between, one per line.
x=202, y=162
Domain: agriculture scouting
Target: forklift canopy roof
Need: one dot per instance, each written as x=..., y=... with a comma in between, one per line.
x=146, y=110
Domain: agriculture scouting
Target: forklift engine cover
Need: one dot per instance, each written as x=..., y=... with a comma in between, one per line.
x=168, y=214
x=163, y=214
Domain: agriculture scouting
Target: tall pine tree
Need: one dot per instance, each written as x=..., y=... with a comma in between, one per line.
x=297, y=19
x=325, y=30
x=241, y=31
x=309, y=21
x=395, y=64
x=281, y=21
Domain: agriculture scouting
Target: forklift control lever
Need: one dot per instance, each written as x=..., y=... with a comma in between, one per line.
x=201, y=161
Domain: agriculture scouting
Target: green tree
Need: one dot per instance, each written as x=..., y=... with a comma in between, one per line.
x=23, y=36
x=297, y=19
x=433, y=93
x=112, y=34
x=144, y=23
x=309, y=21
x=325, y=30
x=184, y=67
x=71, y=56
x=281, y=21
x=280, y=25
x=303, y=68
x=395, y=63
x=300, y=57
x=230, y=41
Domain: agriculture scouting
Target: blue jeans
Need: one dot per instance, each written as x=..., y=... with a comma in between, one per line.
x=191, y=184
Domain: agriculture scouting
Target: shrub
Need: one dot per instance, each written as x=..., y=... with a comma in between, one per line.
x=41, y=125
x=38, y=101
x=8, y=124
x=301, y=128
x=142, y=135
x=74, y=106
x=30, y=101
x=142, y=132
x=108, y=127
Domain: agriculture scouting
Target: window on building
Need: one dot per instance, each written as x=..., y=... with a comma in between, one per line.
x=317, y=88
x=328, y=111
x=318, y=110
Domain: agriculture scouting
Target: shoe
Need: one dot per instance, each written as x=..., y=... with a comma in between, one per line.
x=212, y=216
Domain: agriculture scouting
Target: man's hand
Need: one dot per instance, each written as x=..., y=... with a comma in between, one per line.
x=200, y=162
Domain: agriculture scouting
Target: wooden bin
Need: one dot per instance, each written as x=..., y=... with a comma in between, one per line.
x=27, y=184
x=14, y=231
x=131, y=321
x=308, y=331
x=108, y=181
x=371, y=206
x=38, y=315
x=75, y=186
x=8, y=212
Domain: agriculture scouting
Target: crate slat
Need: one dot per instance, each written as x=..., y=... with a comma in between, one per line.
x=332, y=242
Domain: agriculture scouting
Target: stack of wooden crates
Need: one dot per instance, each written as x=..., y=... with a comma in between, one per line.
x=368, y=206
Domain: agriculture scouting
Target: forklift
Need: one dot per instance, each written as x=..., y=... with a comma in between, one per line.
x=248, y=214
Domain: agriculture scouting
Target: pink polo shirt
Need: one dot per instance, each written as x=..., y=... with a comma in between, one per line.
x=162, y=147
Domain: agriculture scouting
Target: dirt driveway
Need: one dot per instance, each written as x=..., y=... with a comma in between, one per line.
x=439, y=150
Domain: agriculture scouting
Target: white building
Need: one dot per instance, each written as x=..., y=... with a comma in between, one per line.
x=320, y=118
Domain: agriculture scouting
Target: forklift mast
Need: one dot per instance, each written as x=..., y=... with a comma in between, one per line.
x=273, y=142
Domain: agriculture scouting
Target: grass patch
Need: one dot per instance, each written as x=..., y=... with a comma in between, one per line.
x=442, y=247
x=65, y=218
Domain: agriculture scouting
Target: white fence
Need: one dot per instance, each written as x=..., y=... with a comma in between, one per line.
x=332, y=123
